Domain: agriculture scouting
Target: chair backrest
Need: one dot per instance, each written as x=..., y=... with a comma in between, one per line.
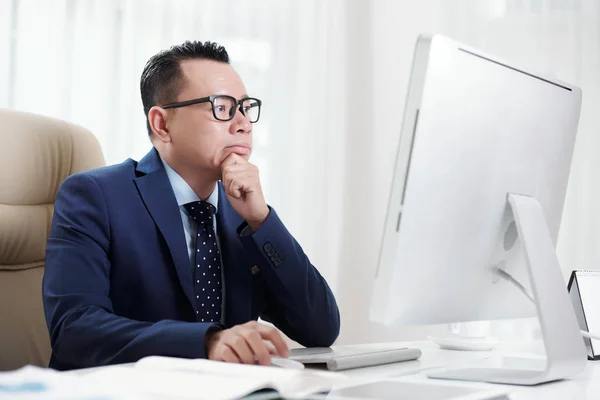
x=36, y=155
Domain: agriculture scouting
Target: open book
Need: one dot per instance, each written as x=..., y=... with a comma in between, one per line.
x=175, y=378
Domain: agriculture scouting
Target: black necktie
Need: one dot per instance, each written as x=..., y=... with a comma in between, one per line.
x=207, y=268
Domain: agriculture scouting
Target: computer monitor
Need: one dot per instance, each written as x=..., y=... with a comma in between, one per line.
x=479, y=186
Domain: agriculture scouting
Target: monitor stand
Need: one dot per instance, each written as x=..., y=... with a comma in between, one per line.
x=565, y=349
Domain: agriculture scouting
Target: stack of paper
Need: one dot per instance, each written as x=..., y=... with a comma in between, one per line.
x=165, y=378
x=30, y=383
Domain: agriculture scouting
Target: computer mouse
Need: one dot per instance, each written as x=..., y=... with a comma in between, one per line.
x=286, y=363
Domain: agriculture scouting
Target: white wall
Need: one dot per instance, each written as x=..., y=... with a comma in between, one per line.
x=380, y=40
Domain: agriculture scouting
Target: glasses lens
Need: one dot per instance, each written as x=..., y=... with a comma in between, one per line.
x=223, y=107
x=251, y=109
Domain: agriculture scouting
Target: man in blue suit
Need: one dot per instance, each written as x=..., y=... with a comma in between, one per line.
x=178, y=254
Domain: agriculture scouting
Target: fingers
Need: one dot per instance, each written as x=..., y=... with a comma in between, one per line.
x=233, y=174
x=257, y=345
x=271, y=348
x=232, y=178
x=237, y=342
x=229, y=355
x=233, y=159
x=219, y=350
x=271, y=334
x=232, y=168
x=239, y=182
x=235, y=187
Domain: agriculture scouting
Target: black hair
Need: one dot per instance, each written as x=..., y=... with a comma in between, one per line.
x=162, y=77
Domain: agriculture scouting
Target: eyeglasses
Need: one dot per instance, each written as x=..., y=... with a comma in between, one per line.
x=224, y=107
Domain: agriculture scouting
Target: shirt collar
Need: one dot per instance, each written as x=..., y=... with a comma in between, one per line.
x=183, y=192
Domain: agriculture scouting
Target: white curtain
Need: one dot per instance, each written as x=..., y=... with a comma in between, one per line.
x=333, y=76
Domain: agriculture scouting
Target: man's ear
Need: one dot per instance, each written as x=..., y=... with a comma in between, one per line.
x=157, y=118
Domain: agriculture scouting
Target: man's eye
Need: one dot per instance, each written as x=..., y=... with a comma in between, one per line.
x=220, y=108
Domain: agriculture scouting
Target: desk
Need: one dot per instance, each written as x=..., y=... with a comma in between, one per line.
x=585, y=386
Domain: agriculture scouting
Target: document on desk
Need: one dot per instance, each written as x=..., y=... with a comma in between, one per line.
x=158, y=377
x=32, y=382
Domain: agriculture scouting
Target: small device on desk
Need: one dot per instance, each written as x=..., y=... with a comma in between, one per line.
x=471, y=336
x=342, y=358
x=584, y=289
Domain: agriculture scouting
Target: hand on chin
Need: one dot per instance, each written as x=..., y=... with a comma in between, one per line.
x=243, y=189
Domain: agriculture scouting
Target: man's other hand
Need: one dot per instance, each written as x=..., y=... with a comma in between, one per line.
x=249, y=343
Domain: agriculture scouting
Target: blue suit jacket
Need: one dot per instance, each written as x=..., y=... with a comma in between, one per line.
x=118, y=284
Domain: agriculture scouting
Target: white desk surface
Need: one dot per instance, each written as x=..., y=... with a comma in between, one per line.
x=585, y=386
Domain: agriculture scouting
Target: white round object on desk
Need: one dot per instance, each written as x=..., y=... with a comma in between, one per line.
x=465, y=343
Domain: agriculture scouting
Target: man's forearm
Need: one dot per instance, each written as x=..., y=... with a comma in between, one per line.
x=302, y=303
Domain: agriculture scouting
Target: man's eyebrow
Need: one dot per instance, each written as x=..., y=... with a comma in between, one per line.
x=245, y=95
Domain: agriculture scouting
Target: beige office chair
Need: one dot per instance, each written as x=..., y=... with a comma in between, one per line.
x=36, y=155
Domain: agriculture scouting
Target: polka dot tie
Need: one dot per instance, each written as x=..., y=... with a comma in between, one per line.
x=207, y=268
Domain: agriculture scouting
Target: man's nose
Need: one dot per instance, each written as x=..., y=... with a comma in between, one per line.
x=241, y=123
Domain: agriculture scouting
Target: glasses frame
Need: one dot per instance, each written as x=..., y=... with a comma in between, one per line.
x=211, y=99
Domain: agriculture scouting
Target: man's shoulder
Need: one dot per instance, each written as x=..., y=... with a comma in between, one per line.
x=110, y=179
x=110, y=173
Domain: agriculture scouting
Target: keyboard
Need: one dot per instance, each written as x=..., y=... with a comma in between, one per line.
x=346, y=357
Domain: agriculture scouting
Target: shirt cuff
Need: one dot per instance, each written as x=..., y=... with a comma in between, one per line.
x=245, y=230
x=212, y=329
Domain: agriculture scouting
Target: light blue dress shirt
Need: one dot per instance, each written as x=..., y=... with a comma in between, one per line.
x=185, y=194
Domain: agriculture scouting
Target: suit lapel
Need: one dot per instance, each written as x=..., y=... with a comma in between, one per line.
x=238, y=277
x=157, y=194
